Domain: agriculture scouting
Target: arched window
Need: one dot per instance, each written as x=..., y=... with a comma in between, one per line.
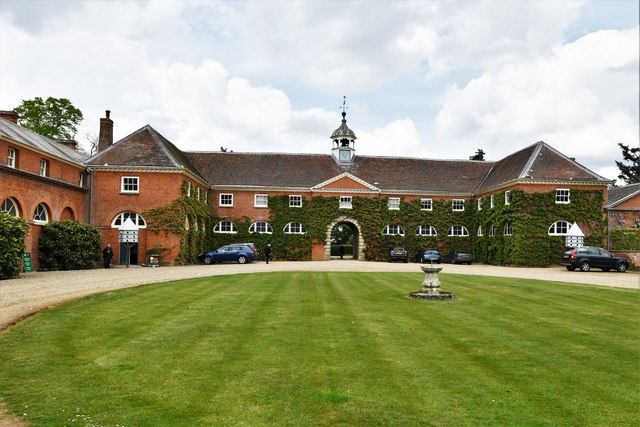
x=10, y=206
x=294, y=228
x=458, y=230
x=426, y=230
x=393, y=230
x=261, y=227
x=122, y=217
x=492, y=231
x=41, y=214
x=508, y=229
x=480, y=230
x=559, y=228
x=227, y=227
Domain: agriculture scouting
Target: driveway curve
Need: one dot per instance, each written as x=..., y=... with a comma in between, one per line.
x=33, y=292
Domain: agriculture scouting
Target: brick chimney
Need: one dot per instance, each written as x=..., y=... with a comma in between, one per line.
x=69, y=143
x=12, y=116
x=105, y=140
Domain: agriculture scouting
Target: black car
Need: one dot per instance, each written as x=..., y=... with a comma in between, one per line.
x=587, y=257
x=398, y=254
x=459, y=257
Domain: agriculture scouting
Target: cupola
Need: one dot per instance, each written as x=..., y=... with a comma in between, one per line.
x=344, y=140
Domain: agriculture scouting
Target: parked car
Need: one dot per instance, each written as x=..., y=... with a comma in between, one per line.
x=587, y=257
x=458, y=257
x=398, y=254
x=427, y=255
x=239, y=252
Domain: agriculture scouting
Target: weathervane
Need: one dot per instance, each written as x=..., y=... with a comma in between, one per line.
x=344, y=104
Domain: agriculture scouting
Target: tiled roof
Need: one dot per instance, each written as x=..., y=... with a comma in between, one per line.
x=307, y=170
x=29, y=138
x=617, y=195
x=537, y=162
x=143, y=148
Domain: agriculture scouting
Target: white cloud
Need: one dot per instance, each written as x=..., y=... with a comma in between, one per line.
x=399, y=138
x=582, y=99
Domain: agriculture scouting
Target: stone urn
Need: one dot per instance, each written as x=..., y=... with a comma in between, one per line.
x=431, y=285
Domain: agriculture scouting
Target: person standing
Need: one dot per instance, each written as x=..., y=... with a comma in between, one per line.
x=107, y=254
x=341, y=251
x=267, y=252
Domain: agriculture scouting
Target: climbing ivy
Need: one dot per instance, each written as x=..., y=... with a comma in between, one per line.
x=531, y=215
x=170, y=219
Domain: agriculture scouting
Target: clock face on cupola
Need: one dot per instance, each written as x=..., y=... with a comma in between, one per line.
x=343, y=142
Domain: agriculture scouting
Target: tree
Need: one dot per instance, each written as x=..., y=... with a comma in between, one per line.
x=629, y=173
x=55, y=118
x=478, y=156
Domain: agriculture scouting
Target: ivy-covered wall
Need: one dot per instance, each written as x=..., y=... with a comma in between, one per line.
x=170, y=219
x=372, y=214
x=531, y=215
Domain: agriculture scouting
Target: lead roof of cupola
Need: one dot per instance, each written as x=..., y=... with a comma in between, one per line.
x=343, y=131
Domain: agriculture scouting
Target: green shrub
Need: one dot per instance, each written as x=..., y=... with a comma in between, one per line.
x=69, y=245
x=13, y=230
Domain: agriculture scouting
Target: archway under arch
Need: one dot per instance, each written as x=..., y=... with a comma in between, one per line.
x=356, y=239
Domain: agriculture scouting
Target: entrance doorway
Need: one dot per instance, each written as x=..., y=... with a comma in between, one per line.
x=344, y=232
x=133, y=254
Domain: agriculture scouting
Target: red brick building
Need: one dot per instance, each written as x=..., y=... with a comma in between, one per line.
x=421, y=202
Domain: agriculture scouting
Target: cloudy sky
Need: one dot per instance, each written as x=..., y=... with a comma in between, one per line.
x=434, y=79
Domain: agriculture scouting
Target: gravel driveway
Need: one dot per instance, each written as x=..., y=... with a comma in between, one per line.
x=33, y=292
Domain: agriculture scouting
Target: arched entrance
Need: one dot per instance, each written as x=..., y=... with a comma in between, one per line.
x=344, y=230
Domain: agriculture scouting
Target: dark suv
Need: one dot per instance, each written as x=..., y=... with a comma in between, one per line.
x=587, y=257
x=398, y=254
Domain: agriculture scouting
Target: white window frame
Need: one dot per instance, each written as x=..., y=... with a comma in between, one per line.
x=81, y=180
x=41, y=214
x=198, y=193
x=295, y=201
x=458, y=231
x=346, y=202
x=225, y=227
x=263, y=228
x=480, y=203
x=227, y=198
x=492, y=231
x=563, y=196
x=137, y=219
x=480, y=234
x=457, y=205
x=553, y=229
x=188, y=189
x=507, y=197
x=508, y=229
x=11, y=158
x=393, y=230
x=491, y=202
x=260, y=201
x=43, y=167
x=426, y=204
x=294, y=228
x=186, y=222
x=128, y=182
x=10, y=206
x=394, y=203
x=426, y=230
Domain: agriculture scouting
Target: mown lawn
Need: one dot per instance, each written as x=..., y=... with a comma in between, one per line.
x=330, y=349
